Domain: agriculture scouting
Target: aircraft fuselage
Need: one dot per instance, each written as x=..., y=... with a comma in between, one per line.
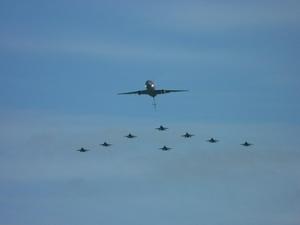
x=150, y=87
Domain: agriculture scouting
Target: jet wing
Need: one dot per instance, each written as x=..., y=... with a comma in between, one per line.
x=164, y=91
x=141, y=92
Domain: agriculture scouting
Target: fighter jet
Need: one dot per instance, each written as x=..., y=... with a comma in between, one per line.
x=105, y=144
x=83, y=150
x=212, y=140
x=151, y=91
x=161, y=128
x=187, y=135
x=165, y=148
x=246, y=144
x=130, y=136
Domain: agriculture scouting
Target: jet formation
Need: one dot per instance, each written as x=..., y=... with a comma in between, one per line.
x=165, y=147
x=150, y=90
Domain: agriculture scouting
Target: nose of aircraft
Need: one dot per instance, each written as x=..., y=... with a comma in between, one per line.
x=149, y=83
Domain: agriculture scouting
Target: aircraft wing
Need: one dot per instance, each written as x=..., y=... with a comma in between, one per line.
x=141, y=92
x=164, y=91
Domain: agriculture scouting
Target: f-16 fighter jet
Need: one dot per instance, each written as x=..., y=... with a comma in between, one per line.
x=151, y=91
x=187, y=135
x=161, y=128
x=130, y=136
x=246, y=144
x=212, y=140
x=105, y=144
x=83, y=150
x=165, y=148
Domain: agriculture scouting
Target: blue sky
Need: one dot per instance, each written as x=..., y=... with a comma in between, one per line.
x=61, y=65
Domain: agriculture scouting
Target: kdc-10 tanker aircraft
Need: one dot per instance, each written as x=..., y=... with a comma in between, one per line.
x=151, y=91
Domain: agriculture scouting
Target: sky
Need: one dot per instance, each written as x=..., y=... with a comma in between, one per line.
x=62, y=64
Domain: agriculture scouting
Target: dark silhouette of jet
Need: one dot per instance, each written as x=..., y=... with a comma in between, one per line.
x=130, y=136
x=165, y=148
x=151, y=91
x=246, y=144
x=83, y=150
x=105, y=144
x=161, y=128
x=187, y=135
x=212, y=140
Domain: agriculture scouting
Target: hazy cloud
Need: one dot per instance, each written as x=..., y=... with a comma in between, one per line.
x=217, y=15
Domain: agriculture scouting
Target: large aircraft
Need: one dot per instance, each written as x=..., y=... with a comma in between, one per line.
x=165, y=148
x=83, y=150
x=246, y=144
x=151, y=91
